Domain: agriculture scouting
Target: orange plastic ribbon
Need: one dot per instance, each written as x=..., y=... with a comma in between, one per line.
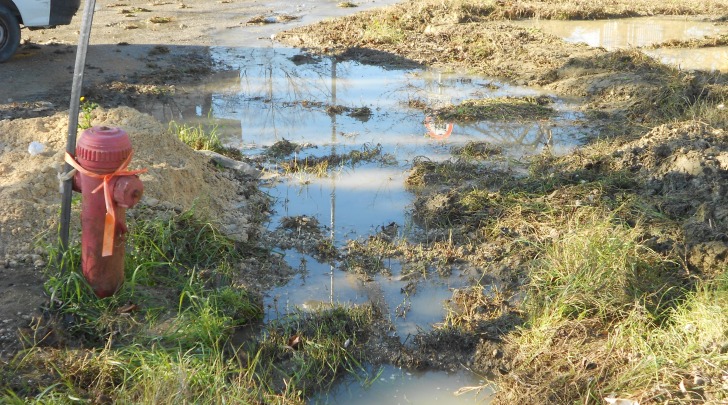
x=110, y=220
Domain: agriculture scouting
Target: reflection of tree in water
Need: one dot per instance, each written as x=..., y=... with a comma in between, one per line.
x=531, y=135
x=278, y=95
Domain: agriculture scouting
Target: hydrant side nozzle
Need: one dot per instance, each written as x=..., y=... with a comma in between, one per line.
x=128, y=190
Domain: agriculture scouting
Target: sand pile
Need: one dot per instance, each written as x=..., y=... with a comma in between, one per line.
x=177, y=178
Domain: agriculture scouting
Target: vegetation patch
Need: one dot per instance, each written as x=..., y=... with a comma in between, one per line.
x=282, y=149
x=319, y=166
x=200, y=139
x=593, y=333
x=497, y=109
x=170, y=333
x=704, y=42
x=476, y=150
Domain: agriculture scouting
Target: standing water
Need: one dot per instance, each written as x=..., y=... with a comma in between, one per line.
x=263, y=94
x=645, y=31
x=270, y=94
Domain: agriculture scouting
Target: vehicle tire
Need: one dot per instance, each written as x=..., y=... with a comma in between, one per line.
x=9, y=34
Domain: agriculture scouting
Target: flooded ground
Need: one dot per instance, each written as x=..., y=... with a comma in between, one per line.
x=642, y=32
x=615, y=167
x=397, y=386
x=267, y=94
x=272, y=96
x=263, y=94
x=627, y=32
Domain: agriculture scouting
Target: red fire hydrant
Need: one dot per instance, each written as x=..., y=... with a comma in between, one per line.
x=108, y=189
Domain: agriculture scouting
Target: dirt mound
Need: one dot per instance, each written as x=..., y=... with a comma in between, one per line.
x=686, y=165
x=177, y=178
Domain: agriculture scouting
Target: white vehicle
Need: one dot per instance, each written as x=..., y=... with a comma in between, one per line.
x=32, y=14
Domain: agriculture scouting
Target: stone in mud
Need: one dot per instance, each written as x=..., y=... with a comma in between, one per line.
x=709, y=257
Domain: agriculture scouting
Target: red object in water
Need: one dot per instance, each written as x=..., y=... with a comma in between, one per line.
x=107, y=189
x=434, y=132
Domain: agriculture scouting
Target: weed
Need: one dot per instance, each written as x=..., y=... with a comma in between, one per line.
x=172, y=345
x=87, y=109
x=497, y=109
x=477, y=150
x=320, y=166
x=597, y=270
x=383, y=32
x=200, y=139
x=472, y=305
x=323, y=351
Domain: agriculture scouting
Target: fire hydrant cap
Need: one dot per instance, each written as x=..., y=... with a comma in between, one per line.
x=103, y=148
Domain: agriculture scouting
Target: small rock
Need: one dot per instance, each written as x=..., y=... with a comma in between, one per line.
x=698, y=381
x=36, y=148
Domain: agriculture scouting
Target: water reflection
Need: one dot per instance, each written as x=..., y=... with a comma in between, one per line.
x=279, y=93
x=264, y=95
x=397, y=386
x=643, y=31
x=626, y=32
x=277, y=98
x=710, y=59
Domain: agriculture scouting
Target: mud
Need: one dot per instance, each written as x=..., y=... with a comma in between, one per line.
x=644, y=110
x=674, y=166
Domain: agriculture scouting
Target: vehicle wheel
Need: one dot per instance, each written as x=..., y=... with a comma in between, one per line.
x=9, y=34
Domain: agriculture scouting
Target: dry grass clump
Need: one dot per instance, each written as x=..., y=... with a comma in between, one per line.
x=497, y=109
x=477, y=150
x=320, y=165
x=473, y=305
x=704, y=42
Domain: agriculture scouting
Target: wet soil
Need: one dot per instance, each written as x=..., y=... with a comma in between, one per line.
x=678, y=166
x=645, y=110
x=21, y=300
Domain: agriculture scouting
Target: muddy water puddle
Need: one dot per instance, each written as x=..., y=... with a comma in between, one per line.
x=413, y=305
x=644, y=31
x=710, y=59
x=327, y=107
x=273, y=94
x=398, y=386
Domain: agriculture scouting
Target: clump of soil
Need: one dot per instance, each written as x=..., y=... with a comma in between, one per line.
x=177, y=178
x=282, y=148
x=686, y=165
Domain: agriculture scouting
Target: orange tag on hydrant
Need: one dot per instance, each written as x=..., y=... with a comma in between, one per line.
x=109, y=229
